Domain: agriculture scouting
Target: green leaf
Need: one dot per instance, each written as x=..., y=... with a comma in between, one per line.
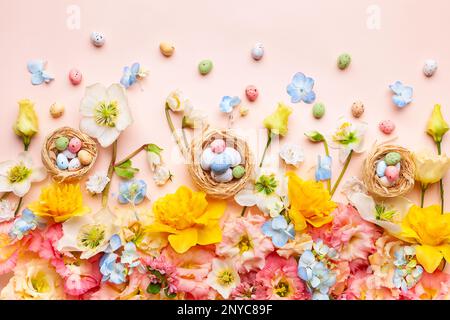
x=168, y=294
x=154, y=288
x=125, y=170
x=315, y=136
x=266, y=184
x=154, y=148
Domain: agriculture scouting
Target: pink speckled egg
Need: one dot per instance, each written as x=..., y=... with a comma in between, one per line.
x=387, y=126
x=218, y=146
x=75, y=145
x=75, y=77
x=251, y=92
x=392, y=173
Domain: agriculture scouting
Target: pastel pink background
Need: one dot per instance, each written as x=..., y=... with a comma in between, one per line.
x=302, y=36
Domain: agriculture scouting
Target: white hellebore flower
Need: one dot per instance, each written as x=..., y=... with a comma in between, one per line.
x=97, y=183
x=223, y=277
x=292, y=154
x=161, y=175
x=6, y=211
x=88, y=234
x=176, y=101
x=193, y=118
x=348, y=137
x=105, y=113
x=17, y=175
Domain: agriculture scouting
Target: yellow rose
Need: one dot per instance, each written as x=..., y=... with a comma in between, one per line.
x=26, y=125
x=277, y=122
x=430, y=168
x=310, y=203
x=437, y=126
x=188, y=219
x=430, y=230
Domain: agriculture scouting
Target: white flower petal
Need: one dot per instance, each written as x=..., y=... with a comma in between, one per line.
x=108, y=137
x=22, y=188
x=38, y=174
x=91, y=128
x=6, y=166
x=5, y=186
x=26, y=159
x=117, y=93
x=93, y=95
x=246, y=198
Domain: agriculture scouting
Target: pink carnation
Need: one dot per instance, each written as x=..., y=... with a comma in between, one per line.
x=165, y=268
x=363, y=286
x=43, y=242
x=280, y=281
x=244, y=242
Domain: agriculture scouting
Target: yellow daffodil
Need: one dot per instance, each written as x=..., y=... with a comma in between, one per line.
x=310, y=202
x=437, y=126
x=430, y=230
x=277, y=122
x=430, y=168
x=60, y=202
x=26, y=125
x=188, y=219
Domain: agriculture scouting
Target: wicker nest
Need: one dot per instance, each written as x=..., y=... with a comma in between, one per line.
x=373, y=183
x=49, y=154
x=203, y=179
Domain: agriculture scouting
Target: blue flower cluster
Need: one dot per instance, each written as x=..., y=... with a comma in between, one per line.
x=279, y=230
x=133, y=191
x=27, y=222
x=407, y=272
x=229, y=103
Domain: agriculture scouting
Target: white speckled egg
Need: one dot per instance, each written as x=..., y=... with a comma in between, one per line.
x=430, y=67
x=74, y=164
x=258, y=51
x=69, y=155
x=234, y=155
x=385, y=182
x=227, y=176
x=206, y=159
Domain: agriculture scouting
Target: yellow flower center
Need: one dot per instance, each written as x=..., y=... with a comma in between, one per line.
x=225, y=278
x=18, y=173
x=282, y=288
x=106, y=114
x=40, y=283
x=245, y=244
x=91, y=236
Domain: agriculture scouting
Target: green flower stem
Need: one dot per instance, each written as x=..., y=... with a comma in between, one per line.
x=243, y=211
x=186, y=143
x=441, y=182
x=131, y=155
x=423, y=188
x=105, y=194
x=341, y=175
x=18, y=207
x=269, y=141
x=174, y=133
x=327, y=153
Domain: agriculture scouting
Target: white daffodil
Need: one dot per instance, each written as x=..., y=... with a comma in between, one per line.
x=161, y=175
x=105, y=113
x=6, y=211
x=97, y=183
x=88, y=234
x=176, y=101
x=292, y=154
x=223, y=277
x=348, y=137
x=193, y=118
x=17, y=175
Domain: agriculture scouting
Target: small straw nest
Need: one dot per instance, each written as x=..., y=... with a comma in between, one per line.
x=407, y=168
x=49, y=154
x=203, y=179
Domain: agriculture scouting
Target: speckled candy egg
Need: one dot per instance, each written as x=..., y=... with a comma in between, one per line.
x=386, y=126
x=344, y=61
x=221, y=163
x=206, y=159
x=61, y=143
x=430, y=67
x=205, y=67
x=75, y=77
x=235, y=156
x=357, y=109
x=227, y=176
x=74, y=164
x=61, y=162
x=381, y=168
x=56, y=110
x=84, y=157
x=166, y=49
x=251, y=92
x=385, y=182
x=258, y=51
x=69, y=155
x=75, y=145
x=318, y=110
x=218, y=146
x=238, y=172
x=392, y=173
x=97, y=39
x=392, y=158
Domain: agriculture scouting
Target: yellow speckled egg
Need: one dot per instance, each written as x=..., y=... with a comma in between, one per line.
x=84, y=157
x=166, y=49
x=56, y=110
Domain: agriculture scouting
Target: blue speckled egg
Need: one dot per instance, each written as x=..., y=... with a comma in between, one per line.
x=62, y=162
x=258, y=51
x=221, y=163
x=381, y=168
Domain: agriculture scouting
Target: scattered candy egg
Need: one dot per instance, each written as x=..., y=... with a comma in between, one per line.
x=344, y=61
x=62, y=162
x=318, y=110
x=206, y=159
x=166, y=49
x=74, y=164
x=243, y=110
x=385, y=182
x=56, y=110
x=227, y=176
x=430, y=67
x=386, y=126
x=381, y=168
x=97, y=39
x=357, y=109
x=61, y=143
x=238, y=172
x=75, y=145
x=205, y=66
x=258, y=51
x=392, y=158
x=69, y=155
x=235, y=156
x=251, y=93
x=84, y=157
x=75, y=77
x=392, y=173
x=221, y=163
x=218, y=146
